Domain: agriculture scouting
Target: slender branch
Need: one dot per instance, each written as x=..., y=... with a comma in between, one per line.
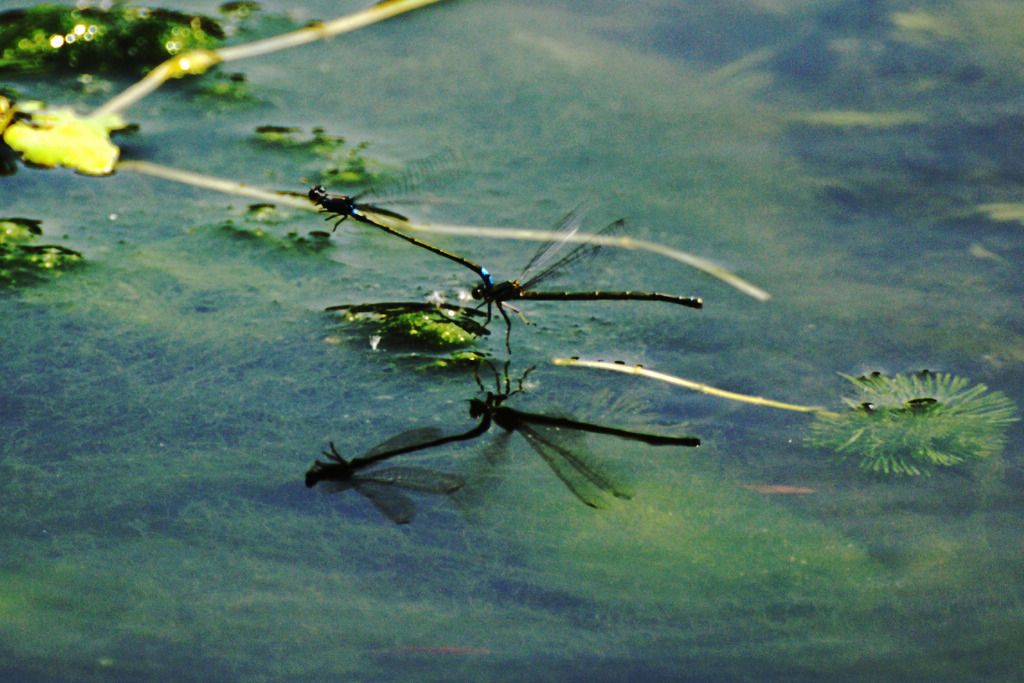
x=197, y=61
x=191, y=62
x=678, y=381
x=213, y=183
x=619, y=241
x=294, y=201
x=320, y=31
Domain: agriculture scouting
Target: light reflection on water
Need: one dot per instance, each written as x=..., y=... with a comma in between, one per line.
x=160, y=407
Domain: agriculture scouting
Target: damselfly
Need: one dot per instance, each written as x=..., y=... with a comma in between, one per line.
x=497, y=294
x=342, y=207
x=380, y=485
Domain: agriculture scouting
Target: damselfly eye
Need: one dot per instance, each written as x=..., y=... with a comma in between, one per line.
x=478, y=292
x=317, y=194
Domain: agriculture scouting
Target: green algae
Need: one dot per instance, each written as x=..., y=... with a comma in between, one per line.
x=334, y=160
x=23, y=261
x=123, y=37
x=210, y=343
x=424, y=325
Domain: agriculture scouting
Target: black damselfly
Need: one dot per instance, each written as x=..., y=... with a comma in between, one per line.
x=342, y=207
x=380, y=485
x=497, y=294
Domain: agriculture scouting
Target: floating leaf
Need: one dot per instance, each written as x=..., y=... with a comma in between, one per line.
x=910, y=424
x=59, y=137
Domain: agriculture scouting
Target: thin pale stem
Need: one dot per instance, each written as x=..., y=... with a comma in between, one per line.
x=320, y=31
x=197, y=61
x=619, y=241
x=213, y=183
x=191, y=62
x=294, y=201
x=679, y=381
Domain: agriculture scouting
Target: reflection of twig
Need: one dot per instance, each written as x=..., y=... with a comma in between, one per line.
x=197, y=61
x=678, y=381
x=297, y=202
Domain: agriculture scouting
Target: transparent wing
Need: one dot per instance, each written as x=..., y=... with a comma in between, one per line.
x=327, y=486
x=578, y=252
x=393, y=504
x=484, y=473
x=379, y=215
x=564, y=451
x=438, y=169
x=411, y=437
x=566, y=228
x=414, y=479
x=496, y=451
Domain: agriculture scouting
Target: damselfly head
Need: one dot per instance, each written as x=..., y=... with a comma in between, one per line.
x=476, y=408
x=318, y=195
x=336, y=206
x=477, y=292
x=313, y=476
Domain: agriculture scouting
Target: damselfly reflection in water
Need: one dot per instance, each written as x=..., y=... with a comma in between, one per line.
x=556, y=439
x=498, y=294
x=381, y=485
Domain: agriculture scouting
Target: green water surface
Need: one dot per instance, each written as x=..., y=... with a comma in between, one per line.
x=160, y=405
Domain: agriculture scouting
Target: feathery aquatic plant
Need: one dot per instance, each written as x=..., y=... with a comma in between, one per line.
x=910, y=424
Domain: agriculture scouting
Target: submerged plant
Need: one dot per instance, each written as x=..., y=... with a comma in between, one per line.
x=337, y=161
x=895, y=425
x=433, y=325
x=21, y=260
x=910, y=424
x=258, y=215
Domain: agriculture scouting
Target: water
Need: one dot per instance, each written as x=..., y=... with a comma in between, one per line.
x=160, y=407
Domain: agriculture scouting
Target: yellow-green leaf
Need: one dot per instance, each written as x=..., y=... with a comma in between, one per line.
x=59, y=137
